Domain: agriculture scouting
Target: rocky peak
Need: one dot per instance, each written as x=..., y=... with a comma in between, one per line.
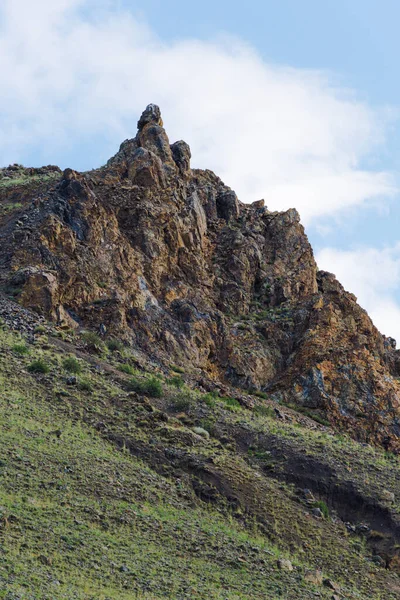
x=151, y=114
x=168, y=258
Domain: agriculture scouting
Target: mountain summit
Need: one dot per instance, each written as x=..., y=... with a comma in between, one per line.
x=168, y=258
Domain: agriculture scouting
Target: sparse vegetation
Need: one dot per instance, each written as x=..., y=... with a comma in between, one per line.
x=265, y=411
x=151, y=386
x=40, y=329
x=181, y=402
x=323, y=507
x=260, y=394
x=128, y=369
x=20, y=349
x=209, y=399
x=177, y=369
x=72, y=365
x=39, y=366
x=92, y=341
x=230, y=403
x=25, y=179
x=115, y=345
x=85, y=385
x=176, y=381
x=58, y=494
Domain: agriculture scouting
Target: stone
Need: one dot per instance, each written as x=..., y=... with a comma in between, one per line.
x=151, y=114
x=258, y=204
x=317, y=512
x=331, y=585
x=378, y=560
x=313, y=576
x=308, y=495
x=202, y=432
x=146, y=169
x=285, y=565
x=182, y=155
x=387, y=496
x=228, y=206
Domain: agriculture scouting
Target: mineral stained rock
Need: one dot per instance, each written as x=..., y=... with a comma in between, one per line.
x=168, y=258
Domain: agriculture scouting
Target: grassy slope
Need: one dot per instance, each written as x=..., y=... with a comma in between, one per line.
x=82, y=517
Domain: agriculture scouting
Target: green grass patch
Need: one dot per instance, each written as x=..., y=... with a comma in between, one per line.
x=21, y=349
x=150, y=386
x=230, y=403
x=323, y=508
x=176, y=381
x=128, y=369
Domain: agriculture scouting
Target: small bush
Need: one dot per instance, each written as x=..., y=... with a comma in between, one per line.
x=176, y=381
x=72, y=365
x=127, y=369
x=149, y=387
x=260, y=394
x=202, y=432
x=115, y=345
x=177, y=369
x=376, y=535
x=92, y=341
x=40, y=329
x=323, y=508
x=260, y=454
x=38, y=366
x=20, y=349
x=264, y=411
x=209, y=400
x=85, y=386
x=231, y=403
x=181, y=402
x=316, y=417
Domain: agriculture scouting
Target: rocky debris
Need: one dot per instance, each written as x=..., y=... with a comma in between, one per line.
x=169, y=259
x=18, y=318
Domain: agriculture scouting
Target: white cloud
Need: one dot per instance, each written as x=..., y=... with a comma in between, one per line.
x=373, y=275
x=73, y=71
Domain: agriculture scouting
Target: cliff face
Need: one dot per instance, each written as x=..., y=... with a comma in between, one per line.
x=169, y=259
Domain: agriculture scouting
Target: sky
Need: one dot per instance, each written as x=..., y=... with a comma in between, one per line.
x=294, y=102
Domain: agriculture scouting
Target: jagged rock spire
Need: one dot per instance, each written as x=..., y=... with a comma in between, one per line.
x=149, y=159
x=151, y=114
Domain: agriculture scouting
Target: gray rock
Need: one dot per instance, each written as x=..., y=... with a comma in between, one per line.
x=151, y=114
x=285, y=565
x=228, y=206
x=181, y=155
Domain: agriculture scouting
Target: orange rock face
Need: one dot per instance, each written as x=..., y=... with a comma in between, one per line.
x=169, y=259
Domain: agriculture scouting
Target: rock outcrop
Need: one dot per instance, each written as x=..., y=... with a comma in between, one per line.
x=168, y=258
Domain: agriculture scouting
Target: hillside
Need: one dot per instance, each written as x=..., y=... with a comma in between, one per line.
x=191, y=409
